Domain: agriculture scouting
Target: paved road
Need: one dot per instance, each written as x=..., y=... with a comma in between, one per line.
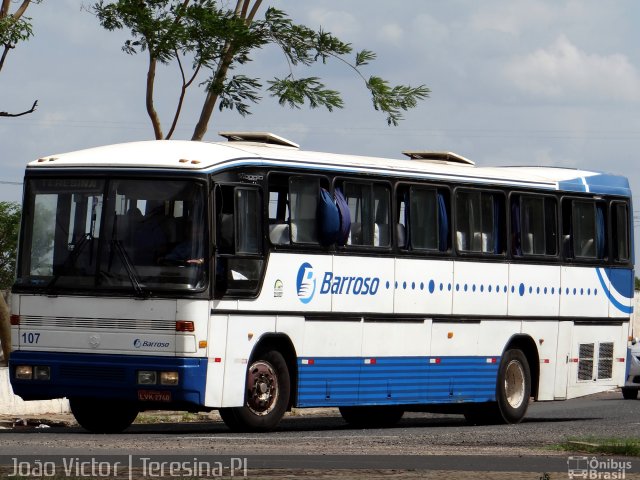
x=419, y=441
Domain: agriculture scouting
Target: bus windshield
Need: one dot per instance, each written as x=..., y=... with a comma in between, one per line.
x=133, y=234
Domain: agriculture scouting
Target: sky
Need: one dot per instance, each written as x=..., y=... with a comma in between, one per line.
x=514, y=82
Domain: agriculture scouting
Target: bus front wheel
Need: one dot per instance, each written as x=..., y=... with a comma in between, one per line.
x=103, y=416
x=266, y=398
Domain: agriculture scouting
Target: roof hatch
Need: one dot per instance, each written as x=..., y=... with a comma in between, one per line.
x=445, y=157
x=259, y=137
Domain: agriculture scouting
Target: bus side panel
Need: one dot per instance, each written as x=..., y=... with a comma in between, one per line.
x=562, y=360
x=396, y=370
x=243, y=333
x=464, y=361
x=597, y=359
x=536, y=290
x=480, y=288
x=424, y=286
x=217, y=359
x=329, y=363
x=582, y=294
x=294, y=282
x=352, y=286
x=620, y=292
x=545, y=335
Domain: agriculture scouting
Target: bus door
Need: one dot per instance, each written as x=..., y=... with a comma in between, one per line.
x=239, y=256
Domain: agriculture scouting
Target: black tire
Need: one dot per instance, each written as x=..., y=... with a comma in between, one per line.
x=268, y=387
x=103, y=416
x=629, y=393
x=371, y=417
x=513, y=389
x=229, y=418
x=514, y=386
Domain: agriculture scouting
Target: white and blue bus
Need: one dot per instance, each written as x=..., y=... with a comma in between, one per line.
x=250, y=276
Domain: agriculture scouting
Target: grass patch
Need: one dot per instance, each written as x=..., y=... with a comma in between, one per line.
x=629, y=447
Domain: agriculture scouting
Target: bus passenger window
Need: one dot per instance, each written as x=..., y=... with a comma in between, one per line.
x=382, y=208
x=620, y=229
x=304, y=193
x=585, y=232
x=249, y=226
x=370, y=209
x=480, y=222
x=534, y=225
x=423, y=224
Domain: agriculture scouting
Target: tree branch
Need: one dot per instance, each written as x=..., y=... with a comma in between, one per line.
x=21, y=9
x=183, y=92
x=31, y=110
x=4, y=10
x=219, y=76
x=4, y=55
x=253, y=12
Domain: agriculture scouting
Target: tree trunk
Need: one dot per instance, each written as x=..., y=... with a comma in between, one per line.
x=153, y=115
x=241, y=9
x=5, y=331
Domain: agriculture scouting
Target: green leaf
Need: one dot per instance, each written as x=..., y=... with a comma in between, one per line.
x=294, y=93
x=363, y=57
x=14, y=31
x=394, y=100
x=236, y=91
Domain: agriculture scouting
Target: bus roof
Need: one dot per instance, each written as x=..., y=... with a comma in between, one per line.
x=191, y=156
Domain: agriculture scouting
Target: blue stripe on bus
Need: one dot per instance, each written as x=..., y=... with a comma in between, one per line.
x=612, y=299
x=341, y=381
x=107, y=376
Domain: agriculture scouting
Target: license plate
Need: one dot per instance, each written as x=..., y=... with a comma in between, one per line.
x=153, y=396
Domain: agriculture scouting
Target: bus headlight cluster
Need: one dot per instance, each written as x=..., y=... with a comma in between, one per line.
x=31, y=372
x=151, y=377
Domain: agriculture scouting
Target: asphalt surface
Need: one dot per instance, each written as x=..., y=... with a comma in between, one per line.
x=322, y=441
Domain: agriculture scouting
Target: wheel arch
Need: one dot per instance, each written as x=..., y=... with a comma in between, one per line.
x=283, y=344
x=528, y=347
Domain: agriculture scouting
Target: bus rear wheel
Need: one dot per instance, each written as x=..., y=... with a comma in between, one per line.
x=103, y=416
x=266, y=398
x=513, y=390
x=374, y=416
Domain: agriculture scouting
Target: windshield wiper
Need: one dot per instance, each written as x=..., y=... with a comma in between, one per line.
x=70, y=262
x=131, y=271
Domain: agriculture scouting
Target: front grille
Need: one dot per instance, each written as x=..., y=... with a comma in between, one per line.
x=97, y=323
x=81, y=372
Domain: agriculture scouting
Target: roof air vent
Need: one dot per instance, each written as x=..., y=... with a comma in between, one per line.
x=258, y=137
x=437, y=157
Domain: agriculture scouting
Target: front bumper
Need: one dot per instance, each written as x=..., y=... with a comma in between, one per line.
x=109, y=377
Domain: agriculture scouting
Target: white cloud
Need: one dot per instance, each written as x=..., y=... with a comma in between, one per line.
x=564, y=71
x=340, y=23
x=429, y=29
x=513, y=17
x=392, y=33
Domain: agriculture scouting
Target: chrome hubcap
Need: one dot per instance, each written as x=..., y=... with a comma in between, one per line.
x=262, y=386
x=514, y=384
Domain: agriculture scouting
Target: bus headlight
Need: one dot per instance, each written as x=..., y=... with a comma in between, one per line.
x=24, y=372
x=41, y=373
x=147, y=377
x=169, y=378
